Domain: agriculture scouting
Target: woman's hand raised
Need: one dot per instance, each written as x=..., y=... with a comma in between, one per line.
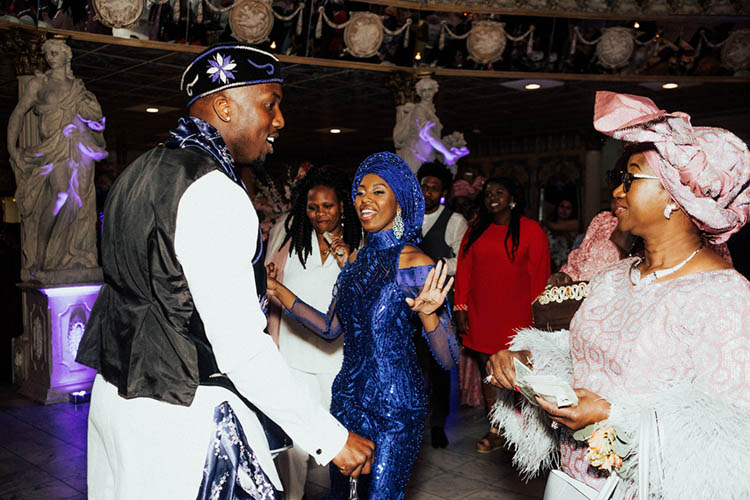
x=433, y=292
x=340, y=250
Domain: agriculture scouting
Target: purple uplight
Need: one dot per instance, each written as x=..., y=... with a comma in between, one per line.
x=70, y=291
x=94, y=155
x=46, y=169
x=73, y=188
x=68, y=129
x=61, y=199
x=95, y=125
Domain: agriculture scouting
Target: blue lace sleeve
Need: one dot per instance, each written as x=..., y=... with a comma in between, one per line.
x=442, y=340
x=325, y=325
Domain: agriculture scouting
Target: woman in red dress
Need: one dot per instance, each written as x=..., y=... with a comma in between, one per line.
x=503, y=266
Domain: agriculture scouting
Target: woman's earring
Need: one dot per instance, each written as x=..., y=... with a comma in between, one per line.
x=671, y=207
x=512, y=205
x=398, y=225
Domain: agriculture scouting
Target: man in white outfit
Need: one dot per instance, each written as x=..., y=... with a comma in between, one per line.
x=176, y=334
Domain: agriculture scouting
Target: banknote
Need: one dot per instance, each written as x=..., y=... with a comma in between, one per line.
x=549, y=387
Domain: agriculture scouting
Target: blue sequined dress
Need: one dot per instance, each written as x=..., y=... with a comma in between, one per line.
x=379, y=393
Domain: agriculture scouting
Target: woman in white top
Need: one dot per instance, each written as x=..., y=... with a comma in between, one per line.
x=309, y=265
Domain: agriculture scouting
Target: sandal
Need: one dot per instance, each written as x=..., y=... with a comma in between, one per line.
x=490, y=442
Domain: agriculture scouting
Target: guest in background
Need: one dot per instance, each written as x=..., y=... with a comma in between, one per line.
x=665, y=334
x=442, y=232
x=308, y=264
x=502, y=267
x=466, y=187
x=563, y=227
x=603, y=244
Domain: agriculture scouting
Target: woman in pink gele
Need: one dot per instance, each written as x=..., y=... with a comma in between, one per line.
x=667, y=333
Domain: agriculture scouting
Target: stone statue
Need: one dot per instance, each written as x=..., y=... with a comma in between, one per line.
x=417, y=134
x=55, y=172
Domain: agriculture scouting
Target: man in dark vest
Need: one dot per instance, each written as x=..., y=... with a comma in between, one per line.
x=442, y=232
x=176, y=334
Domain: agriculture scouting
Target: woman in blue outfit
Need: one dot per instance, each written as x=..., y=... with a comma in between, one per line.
x=387, y=289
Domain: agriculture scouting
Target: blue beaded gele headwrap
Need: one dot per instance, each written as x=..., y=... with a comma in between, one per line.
x=405, y=186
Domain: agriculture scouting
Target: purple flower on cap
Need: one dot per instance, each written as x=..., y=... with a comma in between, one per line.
x=220, y=68
x=228, y=66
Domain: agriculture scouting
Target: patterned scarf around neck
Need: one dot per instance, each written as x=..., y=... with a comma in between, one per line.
x=196, y=133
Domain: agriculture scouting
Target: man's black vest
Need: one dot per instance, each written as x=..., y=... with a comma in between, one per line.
x=433, y=243
x=144, y=334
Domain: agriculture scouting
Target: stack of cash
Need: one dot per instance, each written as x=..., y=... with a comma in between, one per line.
x=549, y=387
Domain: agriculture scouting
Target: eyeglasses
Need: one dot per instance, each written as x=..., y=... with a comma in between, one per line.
x=626, y=178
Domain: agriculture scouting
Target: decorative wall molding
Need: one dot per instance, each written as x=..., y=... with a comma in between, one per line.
x=9, y=30
x=582, y=9
x=118, y=13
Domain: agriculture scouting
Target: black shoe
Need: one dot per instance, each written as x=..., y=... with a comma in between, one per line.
x=439, y=439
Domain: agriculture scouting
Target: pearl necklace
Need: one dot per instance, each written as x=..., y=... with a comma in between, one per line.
x=635, y=273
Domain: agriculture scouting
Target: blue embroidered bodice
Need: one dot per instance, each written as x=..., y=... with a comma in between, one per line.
x=379, y=392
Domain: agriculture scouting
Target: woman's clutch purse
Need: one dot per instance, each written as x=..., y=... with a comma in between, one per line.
x=557, y=305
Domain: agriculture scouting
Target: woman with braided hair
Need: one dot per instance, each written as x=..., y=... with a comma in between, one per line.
x=310, y=265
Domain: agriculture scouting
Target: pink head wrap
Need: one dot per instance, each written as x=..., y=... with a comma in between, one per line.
x=705, y=170
x=463, y=188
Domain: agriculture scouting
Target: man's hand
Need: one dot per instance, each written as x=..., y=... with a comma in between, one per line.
x=356, y=457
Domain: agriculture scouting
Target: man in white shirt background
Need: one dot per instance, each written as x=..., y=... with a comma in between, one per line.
x=442, y=232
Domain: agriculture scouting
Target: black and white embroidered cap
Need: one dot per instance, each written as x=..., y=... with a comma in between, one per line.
x=226, y=66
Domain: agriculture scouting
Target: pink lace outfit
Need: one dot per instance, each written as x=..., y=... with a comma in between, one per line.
x=596, y=252
x=648, y=338
x=679, y=348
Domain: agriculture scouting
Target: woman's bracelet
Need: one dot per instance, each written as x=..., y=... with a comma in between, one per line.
x=460, y=307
